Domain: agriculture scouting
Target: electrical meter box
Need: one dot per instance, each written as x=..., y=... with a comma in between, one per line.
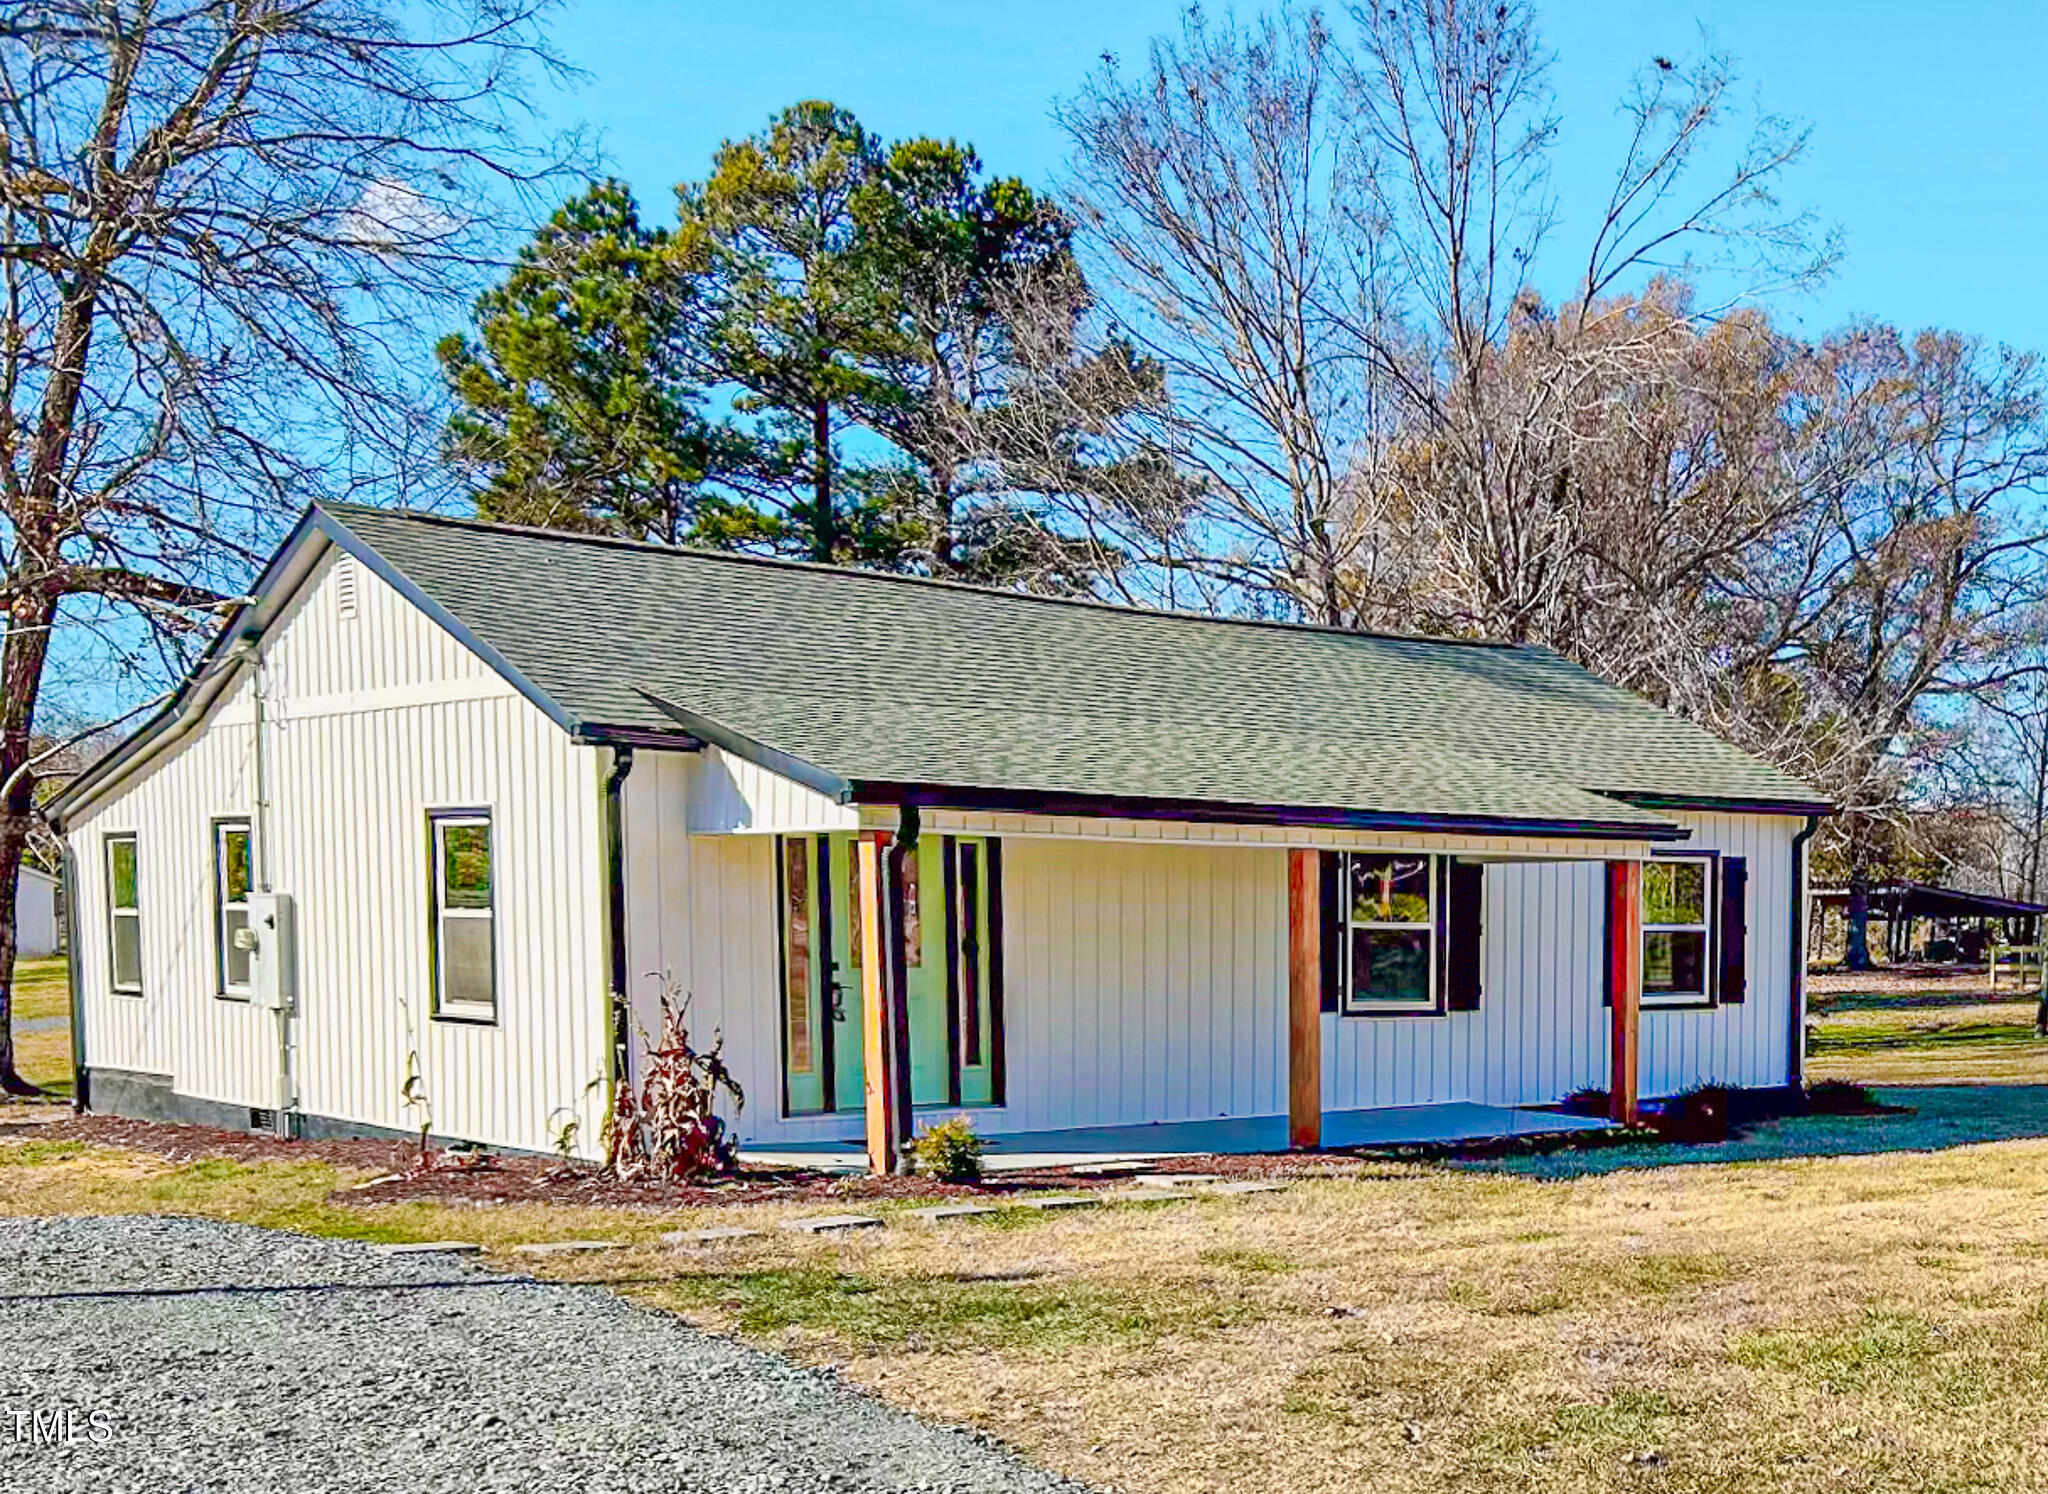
x=273, y=950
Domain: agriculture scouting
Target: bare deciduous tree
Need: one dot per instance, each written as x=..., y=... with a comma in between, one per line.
x=1913, y=587
x=1454, y=100
x=223, y=226
x=1224, y=200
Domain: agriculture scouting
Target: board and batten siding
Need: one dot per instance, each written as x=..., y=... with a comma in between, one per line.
x=1541, y=1030
x=730, y=796
x=380, y=716
x=701, y=925
x=1146, y=975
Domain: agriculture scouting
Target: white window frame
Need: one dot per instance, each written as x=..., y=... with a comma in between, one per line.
x=1710, y=886
x=224, y=987
x=114, y=914
x=1347, y=1003
x=440, y=821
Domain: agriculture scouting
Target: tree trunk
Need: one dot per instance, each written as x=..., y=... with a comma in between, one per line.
x=824, y=535
x=1858, y=956
x=2040, y=810
x=942, y=539
x=21, y=682
x=27, y=641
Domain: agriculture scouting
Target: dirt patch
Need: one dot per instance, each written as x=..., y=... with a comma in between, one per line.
x=1927, y=985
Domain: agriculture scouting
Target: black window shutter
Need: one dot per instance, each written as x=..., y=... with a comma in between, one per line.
x=1734, y=928
x=1465, y=888
x=1332, y=929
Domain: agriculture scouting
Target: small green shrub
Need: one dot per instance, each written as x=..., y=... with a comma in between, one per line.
x=949, y=1151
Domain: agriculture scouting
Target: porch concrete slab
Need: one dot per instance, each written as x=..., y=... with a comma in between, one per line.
x=1098, y=1146
x=1460, y=1121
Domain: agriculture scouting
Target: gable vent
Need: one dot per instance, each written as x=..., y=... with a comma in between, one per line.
x=345, y=590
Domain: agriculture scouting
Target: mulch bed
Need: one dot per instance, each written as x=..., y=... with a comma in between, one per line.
x=492, y=1178
x=183, y=1143
x=486, y=1179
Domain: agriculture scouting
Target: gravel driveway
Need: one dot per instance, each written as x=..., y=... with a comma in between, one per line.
x=223, y=1358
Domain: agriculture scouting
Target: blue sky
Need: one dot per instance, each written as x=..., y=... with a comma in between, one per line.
x=1929, y=123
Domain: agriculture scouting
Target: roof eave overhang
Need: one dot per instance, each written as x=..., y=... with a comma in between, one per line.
x=202, y=684
x=927, y=795
x=1720, y=804
x=653, y=738
x=1215, y=811
x=750, y=749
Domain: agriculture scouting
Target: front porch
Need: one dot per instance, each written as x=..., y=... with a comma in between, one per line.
x=1099, y=988
x=1085, y=1146
x=1299, y=1006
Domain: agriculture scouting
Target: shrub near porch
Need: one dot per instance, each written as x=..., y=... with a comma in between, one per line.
x=1857, y=1323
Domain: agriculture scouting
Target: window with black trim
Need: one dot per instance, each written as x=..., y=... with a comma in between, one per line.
x=465, y=964
x=1402, y=933
x=1678, y=894
x=1387, y=961
x=231, y=908
x=124, y=915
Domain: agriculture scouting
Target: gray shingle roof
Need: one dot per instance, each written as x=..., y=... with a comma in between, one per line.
x=881, y=680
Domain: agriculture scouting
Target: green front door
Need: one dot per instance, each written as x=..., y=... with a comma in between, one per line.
x=948, y=989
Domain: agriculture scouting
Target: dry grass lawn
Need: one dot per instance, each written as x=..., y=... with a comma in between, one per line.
x=41, y=993
x=41, y=990
x=1866, y=1323
x=1943, y=1034
x=1875, y=1323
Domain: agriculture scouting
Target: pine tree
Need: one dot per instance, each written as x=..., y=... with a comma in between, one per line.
x=576, y=402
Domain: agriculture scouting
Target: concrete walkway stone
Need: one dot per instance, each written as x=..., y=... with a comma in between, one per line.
x=827, y=1224
x=941, y=1213
x=686, y=1238
x=431, y=1247
x=564, y=1247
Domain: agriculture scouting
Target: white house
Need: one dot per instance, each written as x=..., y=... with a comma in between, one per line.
x=36, y=933
x=441, y=812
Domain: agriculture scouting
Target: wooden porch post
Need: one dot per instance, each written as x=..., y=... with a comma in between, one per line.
x=1624, y=984
x=1304, y=1000
x=878, y=1040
